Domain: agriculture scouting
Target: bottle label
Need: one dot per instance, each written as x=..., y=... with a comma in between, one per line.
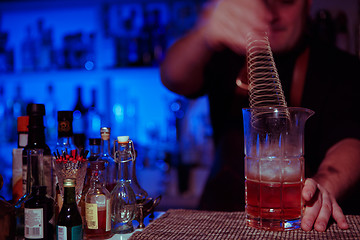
x=76, y=232
x=108, y=215
x=61, y=233
x=34, y=223
x=91, y=217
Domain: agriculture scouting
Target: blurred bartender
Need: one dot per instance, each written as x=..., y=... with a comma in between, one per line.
x=210, y=60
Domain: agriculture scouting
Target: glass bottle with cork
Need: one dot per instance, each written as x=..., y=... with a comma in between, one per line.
x=69, y=223
x=97, y=204
x=123, y=200
x=38, y=212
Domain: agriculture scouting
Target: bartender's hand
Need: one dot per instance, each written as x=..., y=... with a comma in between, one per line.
x=227, y=23
x=320, y=206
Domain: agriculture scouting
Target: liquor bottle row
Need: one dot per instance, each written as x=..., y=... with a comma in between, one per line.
x=71, y=192
x=137, y=34
x=87, y=119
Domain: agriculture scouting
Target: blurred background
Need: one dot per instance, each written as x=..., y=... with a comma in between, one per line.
x=101, y=59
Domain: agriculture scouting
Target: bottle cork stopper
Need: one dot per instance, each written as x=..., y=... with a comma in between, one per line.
x=123, y=139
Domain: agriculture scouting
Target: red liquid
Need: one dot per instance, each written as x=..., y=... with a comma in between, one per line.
x=274, y=200
x=101, y=231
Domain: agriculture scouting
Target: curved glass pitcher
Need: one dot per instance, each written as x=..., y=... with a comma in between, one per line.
x=274, y=166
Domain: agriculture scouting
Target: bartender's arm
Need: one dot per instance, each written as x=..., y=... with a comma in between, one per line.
x=337, y=174
x=222, y=24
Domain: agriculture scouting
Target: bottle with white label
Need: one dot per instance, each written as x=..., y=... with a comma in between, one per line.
x=69, y=223
x=97, y=204
x=38, y=212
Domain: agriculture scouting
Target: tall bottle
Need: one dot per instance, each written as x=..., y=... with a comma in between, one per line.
x=51, y=113
x=79, y=114
x=93, y=118
x=94, y=144
x=97, y=204
x=111, y=171
x=37, y=168
x=123, y=200
x=69, y=223
x=38, y=212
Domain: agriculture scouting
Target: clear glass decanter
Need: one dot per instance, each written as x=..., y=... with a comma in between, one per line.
x=123, y=200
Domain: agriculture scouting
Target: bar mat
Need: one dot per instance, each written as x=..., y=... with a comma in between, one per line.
x=192, y=224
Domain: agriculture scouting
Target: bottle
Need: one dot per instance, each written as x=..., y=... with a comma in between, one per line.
x=79, y=114
x=105, y=155
x=38, y=212
x=97, y=204
x=94, y=144
x=93, y=118
x=17, y=159
x=69, y=223
x=65, y=141
x=51, y=121
x=123, y=200
x=37, y=167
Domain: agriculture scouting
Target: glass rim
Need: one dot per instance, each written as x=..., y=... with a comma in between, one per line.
x=280, y=108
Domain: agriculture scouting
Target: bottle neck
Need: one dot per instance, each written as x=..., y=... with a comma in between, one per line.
x=125, y=170
x=96, y=179
x=69, y=195
x=36, y=136
x=105, y=148
x=94, y=152
x=66, y=141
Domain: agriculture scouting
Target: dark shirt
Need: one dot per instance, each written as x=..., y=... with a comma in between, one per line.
x=331, y=90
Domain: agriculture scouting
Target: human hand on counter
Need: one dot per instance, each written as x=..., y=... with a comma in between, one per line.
x=320, y=206
x=227, y=23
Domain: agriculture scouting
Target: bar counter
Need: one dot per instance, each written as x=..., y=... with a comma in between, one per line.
x=193, y=224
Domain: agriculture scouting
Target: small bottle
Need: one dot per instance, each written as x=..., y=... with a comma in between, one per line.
x=17, y=158
x=38, y=212
x=123, y=200
x=69, y=223
x=65, y=141
x=105, y=155
x=94, y=144
x=23, y=131
x=97, y=204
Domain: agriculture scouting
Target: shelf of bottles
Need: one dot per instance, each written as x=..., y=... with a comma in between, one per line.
x=98, y=58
